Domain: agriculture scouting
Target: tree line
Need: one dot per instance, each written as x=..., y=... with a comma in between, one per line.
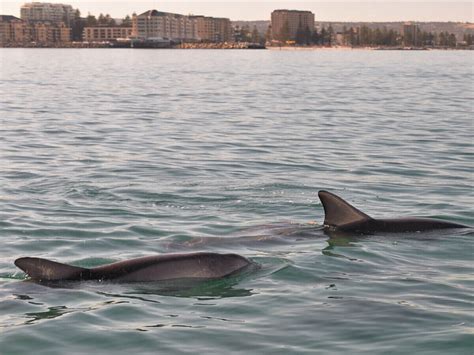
x=468, y=38
x=304, y=36
x=364, y=36
x=244, y=34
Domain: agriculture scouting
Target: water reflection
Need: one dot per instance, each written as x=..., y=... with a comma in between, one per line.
x=338, y=240
x=200, y=289
x=51, y=313
x=191, y=288
x=206, y=293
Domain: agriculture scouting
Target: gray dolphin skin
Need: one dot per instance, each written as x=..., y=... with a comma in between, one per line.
x=198, y=266
x=341, y=216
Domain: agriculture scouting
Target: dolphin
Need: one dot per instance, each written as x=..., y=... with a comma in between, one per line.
x=341, y=216
x=197, y=266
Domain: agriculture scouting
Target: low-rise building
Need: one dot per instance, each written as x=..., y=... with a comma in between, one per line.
x=11, y=30
x=165, y=25
x=14, y=31
x=102, y=34
x=49, y=33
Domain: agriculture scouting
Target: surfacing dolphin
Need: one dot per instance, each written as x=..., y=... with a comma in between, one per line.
x=197, y=266
x=341, y=216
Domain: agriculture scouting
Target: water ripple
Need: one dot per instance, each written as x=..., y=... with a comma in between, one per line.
x=173, y=151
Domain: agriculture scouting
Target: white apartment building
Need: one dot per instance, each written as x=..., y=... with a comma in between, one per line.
x=42, y=11
x=157, y=24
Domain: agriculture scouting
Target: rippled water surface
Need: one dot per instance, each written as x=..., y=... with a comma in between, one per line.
x=113, y=154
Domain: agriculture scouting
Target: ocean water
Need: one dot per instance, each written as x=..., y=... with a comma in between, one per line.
x=113, y=154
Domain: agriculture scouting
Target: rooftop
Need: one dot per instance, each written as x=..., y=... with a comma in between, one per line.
x=286, y=10
x=9, y=18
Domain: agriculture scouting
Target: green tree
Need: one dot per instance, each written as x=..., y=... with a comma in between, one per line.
x=353, y=39
x=255, y=35
x=245, y=35
x=307, y=35
x=323, y=36
x=315, y=37
x=268, y=34
x=77, y=26
x=452, y=40
x=106, y=20
x=365, y=36
x=345, y=37
x=127, y=21
x=417, y=41
x=109, y=21
x=393, y=38
x=91, y=21
x=378, y=38
x=442, y=39
x=101, y=20
x=468, y=38
x=425, y=39
x=330, y=35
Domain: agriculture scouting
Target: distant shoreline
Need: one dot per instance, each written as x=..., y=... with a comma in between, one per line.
x=348, y=48
x=271, y=48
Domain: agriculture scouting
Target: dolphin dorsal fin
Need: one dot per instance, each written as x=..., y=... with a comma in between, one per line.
x=338, y=212
x=47, y=270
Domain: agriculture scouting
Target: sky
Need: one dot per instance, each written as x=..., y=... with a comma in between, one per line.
x=347, y=10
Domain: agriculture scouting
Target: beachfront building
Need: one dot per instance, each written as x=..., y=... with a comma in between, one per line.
x=48, y=33
x=47, y=12
x=157, y=24
x=11, y=30
x=165, y=25
x=287, y=23
x=213, y=29
x=43, y=23
x=15, y=32
x=105, y=34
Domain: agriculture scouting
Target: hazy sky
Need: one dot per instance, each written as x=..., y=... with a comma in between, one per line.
x=348, y=10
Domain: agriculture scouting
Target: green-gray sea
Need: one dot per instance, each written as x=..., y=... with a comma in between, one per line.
x=107, y=155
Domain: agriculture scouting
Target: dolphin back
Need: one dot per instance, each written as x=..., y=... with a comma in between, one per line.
x=341, y=216
x=46, y=270
x=338, y=213
x=199, y=265
x=151, y=268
